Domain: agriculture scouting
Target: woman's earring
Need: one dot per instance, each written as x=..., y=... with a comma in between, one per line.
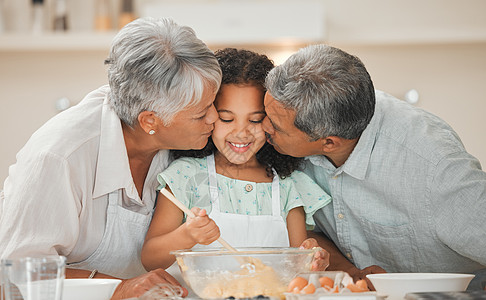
x=151, y=132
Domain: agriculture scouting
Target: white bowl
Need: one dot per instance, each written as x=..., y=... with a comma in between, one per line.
x=89, y=289
x=397, y=285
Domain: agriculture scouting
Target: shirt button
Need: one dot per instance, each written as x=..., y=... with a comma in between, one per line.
x=348, y=255
x=248, y=188
x=340, y=216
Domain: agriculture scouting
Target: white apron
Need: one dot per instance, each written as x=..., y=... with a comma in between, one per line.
x=118, y=254
x=242, y=230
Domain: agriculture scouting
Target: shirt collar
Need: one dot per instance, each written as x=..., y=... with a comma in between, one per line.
x=358, y=161
x=112, y=169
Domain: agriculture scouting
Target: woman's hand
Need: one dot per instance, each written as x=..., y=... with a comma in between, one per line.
x=321, y=258
x=201, y=228
x=136, y=287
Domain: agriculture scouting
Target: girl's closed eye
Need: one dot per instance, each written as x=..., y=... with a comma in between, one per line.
x=231, y=120
x=256, y=121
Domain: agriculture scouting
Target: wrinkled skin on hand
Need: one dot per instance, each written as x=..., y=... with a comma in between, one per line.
x=321, y=258
x=202, y=229
x=136, y=287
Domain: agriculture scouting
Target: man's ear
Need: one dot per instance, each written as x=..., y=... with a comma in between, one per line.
x=331, y=144
x=148, y=121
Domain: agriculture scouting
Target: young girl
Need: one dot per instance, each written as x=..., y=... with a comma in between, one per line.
x=253, y=195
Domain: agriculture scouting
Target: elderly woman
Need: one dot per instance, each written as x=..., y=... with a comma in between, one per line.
x=84, y=185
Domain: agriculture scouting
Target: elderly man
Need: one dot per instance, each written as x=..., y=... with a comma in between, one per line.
x=407, y=197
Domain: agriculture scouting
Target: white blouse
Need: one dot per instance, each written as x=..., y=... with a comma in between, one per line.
x=55, y=197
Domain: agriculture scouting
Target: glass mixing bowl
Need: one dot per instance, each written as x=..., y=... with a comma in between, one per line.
x=250, y=272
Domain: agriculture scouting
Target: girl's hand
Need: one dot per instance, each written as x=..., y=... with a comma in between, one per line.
x=201, y=228
x=321, y=258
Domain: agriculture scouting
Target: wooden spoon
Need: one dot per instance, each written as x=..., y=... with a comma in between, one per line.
x=185, y=209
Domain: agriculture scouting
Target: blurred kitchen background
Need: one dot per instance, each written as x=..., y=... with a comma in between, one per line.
x=431, y=53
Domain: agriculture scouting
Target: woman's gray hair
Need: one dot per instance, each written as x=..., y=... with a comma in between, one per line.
x=157, y=65
x=329, y=89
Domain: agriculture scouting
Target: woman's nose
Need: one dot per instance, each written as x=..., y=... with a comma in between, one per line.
x=212, y=115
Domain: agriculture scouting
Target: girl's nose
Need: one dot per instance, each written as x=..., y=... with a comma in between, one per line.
x=241, y=129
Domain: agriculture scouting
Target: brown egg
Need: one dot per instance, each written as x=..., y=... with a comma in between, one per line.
x=308, y=289
x=326, y=281
x=353, y=288
x=358, y=287
x=298, y=283
x=362, y=285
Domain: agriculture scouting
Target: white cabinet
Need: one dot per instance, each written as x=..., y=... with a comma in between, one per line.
x=53, y=41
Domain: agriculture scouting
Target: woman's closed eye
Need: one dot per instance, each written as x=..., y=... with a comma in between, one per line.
x=256, y=121
x=201, y=117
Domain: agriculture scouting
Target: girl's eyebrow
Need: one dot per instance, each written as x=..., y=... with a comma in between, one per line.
x=259, y=112
x=252, y=113
x=224, y=110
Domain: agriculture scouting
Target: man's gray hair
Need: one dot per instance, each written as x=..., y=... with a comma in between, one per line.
x=329, y=89
x=157, y=65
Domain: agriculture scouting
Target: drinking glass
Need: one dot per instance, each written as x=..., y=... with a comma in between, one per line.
x=33, y=278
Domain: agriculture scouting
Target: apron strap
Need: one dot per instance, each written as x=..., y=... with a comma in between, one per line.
x=276, y=211
x=213, y=182
x=114, y=198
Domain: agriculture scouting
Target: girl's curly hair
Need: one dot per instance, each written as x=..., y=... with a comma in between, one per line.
x=247, y=68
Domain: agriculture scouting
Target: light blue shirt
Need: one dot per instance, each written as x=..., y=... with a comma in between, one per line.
x=409, y=198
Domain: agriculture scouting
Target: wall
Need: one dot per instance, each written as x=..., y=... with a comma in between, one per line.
x=449, y=77
x=448, y=70
x=30, y=84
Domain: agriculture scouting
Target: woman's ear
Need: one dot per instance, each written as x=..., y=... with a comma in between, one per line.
x=148, y=121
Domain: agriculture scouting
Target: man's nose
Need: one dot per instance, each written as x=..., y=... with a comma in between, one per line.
x=267, y=126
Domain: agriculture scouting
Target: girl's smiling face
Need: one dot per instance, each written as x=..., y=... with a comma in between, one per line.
x=238, y=133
